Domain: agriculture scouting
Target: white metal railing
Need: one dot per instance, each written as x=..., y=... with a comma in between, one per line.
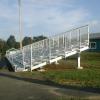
x=50, y=48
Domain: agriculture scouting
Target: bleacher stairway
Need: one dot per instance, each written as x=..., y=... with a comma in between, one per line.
x=50, y=50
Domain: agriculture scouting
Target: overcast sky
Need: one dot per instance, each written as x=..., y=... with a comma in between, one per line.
x=48, y=16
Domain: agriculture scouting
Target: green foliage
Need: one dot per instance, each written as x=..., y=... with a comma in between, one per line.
x=12, y=43
x=2, y=45
x=17, y=45
x=26, y=41
x=86, y=77
x=29, y=40
x=38, y=38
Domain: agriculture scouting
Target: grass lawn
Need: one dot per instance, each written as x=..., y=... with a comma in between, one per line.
x=66, y=72
x=82, y=78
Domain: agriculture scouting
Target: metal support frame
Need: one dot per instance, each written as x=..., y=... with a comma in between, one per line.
x=78, y=54
x=58, y=41
x=42, y=49
x=70, y=41
x=79, y=39
x=78, y=61
x=63, y=40
x=22, y=50
x=50, y=50
x=65, y=43
x=31, y=59
x=53, y=42
x=88, y=34
x=56, y=62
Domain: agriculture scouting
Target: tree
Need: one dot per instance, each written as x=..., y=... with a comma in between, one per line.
x=2, y=43
x=26, y=41
x=38, y=38
x=3, y=47
x=17, y=45
x=11, y=42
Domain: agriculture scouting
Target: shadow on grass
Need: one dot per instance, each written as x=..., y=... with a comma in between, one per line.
x=50, y=83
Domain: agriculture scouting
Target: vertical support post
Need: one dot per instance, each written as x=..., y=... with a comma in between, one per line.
x=49, y=49
x=38, y=48
x=56, y=62
x=63, y=43
x=78, y=61
x=70, y=41
x=79, y=40
x=23, y=57
x=88, y=35
x=78, y=37
x=53, y=42
x=65, y=46
x=63, y=40
x=31, y=58
x=12, y=58
x=43, y=49
x=78, y=54
x=58, y=41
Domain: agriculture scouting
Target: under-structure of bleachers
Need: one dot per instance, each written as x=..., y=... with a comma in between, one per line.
x=50, y=50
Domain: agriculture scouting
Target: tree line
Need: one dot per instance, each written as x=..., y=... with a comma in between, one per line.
x=12, y=43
